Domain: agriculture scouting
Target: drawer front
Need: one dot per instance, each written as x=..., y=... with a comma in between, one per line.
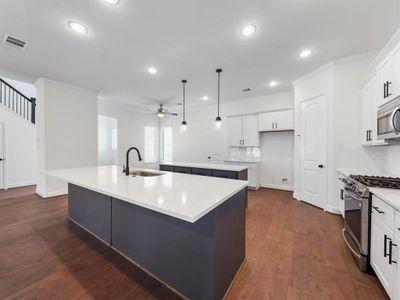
x=202, y=172
x=225, y=174
x=383, y=211
x=185, y=170
x=397, y=224
x=166, y=168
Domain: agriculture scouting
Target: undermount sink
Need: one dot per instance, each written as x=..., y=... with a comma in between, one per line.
x=144, y=174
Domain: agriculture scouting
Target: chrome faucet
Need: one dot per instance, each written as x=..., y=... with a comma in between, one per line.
x=126, y=170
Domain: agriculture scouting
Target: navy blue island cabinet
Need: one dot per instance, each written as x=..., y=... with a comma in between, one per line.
x=209, y=171
x=197, y=260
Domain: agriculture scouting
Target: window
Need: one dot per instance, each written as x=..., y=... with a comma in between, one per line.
x=167, y=144
x=149, y=144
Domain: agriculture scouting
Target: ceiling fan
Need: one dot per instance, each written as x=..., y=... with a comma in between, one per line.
x=161, y=112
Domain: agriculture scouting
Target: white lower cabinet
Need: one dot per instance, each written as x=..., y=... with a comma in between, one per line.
x=381, y=236
x=397, y=268
x=253, y=173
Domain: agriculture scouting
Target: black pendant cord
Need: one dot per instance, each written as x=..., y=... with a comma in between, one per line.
x=219, y=90
x=184, y=100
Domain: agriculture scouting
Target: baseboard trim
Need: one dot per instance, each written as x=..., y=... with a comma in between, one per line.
x=21, y=184
x=296, y=196
x=332, y=209
x=277, y=187
x=52, y=194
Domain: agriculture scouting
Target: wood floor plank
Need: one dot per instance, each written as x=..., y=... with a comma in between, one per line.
x=293, y=251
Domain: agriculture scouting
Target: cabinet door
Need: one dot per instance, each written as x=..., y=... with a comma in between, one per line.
x=366, y=114
x=385, y=73
x=235, y=131
x=284, y=120
x=250, y=132
x=397, y=269
x=266, y=121
x=395, y=88
x=380, y=238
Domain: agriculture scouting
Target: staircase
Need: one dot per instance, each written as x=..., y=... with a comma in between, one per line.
x=17, y=102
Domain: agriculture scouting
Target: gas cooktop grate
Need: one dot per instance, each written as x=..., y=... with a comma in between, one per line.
x=376, y=181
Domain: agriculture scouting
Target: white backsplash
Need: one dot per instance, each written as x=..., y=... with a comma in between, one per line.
x=363, y=160
x=392, y=162
x=243, y=153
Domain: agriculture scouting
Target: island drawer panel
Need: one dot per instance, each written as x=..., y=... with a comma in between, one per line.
x=91, y=210
x=166, y=168
x=225, y=174
x=185, y=170
x=203, y=172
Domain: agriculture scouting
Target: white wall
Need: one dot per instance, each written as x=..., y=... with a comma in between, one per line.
x=66, y=131
x=130, y=130
x=201, y=140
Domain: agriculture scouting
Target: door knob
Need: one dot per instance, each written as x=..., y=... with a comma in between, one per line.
x=321, y=166
x=1, y=159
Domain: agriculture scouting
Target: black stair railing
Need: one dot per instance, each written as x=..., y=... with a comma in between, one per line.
x=14, y=100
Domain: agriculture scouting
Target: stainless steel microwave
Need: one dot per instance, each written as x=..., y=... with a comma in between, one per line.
x=389, y=120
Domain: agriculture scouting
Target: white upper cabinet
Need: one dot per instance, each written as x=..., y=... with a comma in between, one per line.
x=276, y=121
x=251, y=137
x=243, y=131
x=369, y=107
x=235, y=131
x=389, y=77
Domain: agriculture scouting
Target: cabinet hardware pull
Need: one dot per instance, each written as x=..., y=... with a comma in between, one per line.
x=385, y=246
x=388, y=94
x=384, y=91
x=391, y=245
x=377, y=209
x=341, y=195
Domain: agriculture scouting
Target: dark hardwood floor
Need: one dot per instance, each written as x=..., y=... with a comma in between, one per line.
x=294, y=251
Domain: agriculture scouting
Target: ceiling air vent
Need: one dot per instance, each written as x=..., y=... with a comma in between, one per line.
x=10, y=41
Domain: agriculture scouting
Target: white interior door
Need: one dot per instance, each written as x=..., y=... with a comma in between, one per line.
x=313, y=178
x=1, y=156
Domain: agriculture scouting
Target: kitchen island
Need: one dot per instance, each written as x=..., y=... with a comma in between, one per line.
x=188, y=231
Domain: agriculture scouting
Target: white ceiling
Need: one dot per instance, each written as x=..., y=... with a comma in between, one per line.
x=188, y=39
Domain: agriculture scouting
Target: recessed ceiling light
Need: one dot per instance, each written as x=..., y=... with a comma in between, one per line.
x=152, y=70
x=273, y=83
x=204, y=98
x=112, y=2
x=77, y=27
x=248, y=30
x=305, y=53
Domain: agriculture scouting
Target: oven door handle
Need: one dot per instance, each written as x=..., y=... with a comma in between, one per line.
x=353, y=195
x=348, y=244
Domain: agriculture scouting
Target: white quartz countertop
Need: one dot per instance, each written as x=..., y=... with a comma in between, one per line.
x=241, y=160
x=205, y=166
x=390, y=196
x=183, y=196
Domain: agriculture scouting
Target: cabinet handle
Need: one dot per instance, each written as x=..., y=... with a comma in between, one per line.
x=385, y=246
x=377, y=209
x=366, y=138
x=276, y=125
x=384, y=90
x=341, y=194
x=273, y=125
x=391, y=245
x=388, y=83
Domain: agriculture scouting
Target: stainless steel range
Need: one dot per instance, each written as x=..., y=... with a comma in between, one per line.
x=357, y=213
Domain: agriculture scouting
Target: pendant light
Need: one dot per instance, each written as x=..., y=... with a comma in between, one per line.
x=218, y=120
x=184, y=124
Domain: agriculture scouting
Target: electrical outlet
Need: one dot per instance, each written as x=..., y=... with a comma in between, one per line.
x=284, y=180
